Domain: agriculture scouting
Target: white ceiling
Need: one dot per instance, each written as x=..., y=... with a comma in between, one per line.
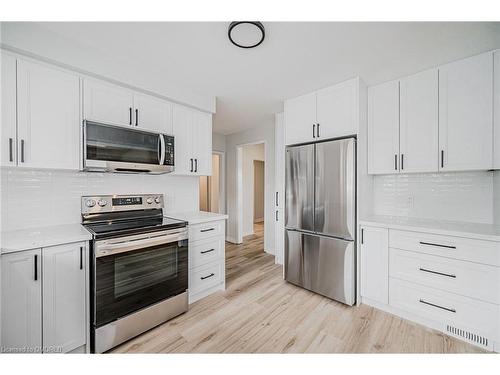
x=295, y=58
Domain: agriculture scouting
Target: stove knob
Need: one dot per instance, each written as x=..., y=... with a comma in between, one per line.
x=157, y=200
x=149, y=200
x=90, y=203
x=102, y=202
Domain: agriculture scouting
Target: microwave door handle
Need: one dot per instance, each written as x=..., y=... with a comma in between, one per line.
x=162, y=149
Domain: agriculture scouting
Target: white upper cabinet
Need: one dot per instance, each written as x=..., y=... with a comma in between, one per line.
x=193, y=141
x=496, y=109
x=466, y=114
x=383, y=128
x=64, y=296
x=152, y=113
x=300, y=119
x=375, y=264
x=328, y=113
x=21, y=295
x=8, y=156
x=337, y=110
x=48, y=115
x=107, y=103
x=419, y=122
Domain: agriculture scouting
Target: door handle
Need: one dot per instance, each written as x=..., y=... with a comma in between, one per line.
x=206, y=277
x=276, y=199
x=402, y=161
x=207, y=230
x=396, y=162
x=36, y=267
x=11, y=155
x=136, y=117
x=196, y=165
x=317, y=129
x=362, y=236
x=22, y=150
x=442, y=158
x=314, y=130
x=438, y=273
x=130, y=115
x=81, y=257
x=438, y=245
x=207, y=251
x=276, y=215
x=191, y=164
x=439, y=307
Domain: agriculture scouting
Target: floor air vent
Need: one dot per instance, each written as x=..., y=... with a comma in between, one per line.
x=469, y=336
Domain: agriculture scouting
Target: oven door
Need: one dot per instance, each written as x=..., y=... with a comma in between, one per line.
x=135, y=272
x=109, y=148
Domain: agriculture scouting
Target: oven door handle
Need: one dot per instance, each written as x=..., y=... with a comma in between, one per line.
x=125, y=246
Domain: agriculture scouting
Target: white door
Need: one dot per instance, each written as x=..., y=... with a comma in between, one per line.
x=466, y=114
x=383, y=128
x=496, y=109
x=337, y=112
x=202, y=143
x=375, y=264
x=279, y=180
x=8, y=156
x=48, y=115
x=22, y=300
x=64, y=291
x=152, y=113
x=182, y=129
x=107, y=103
x=418, y=138
x=300, y=119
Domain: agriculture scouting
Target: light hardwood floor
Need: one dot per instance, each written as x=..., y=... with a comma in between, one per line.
x=260, y=313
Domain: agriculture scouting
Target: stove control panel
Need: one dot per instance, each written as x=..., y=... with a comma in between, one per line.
x=113, y=203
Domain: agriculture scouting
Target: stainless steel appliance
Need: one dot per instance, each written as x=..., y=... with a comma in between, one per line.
x=109, y=148
x=320, y=218
x=139, y=266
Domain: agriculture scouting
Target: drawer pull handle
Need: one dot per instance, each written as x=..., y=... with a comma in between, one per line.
x=438, y=245
x=207, y=251
x=207, y=230
x=438, y=273
x=206, y=277
x=439, y=307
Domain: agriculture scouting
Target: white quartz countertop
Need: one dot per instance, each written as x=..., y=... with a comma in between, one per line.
x=33, y=238
x=480, y=231
x=196, y=217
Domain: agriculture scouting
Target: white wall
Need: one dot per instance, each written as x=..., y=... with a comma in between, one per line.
x=218, y=142
x=250, y=153
x=459, y=196
x=35, y=40
x=32, y=198
x=265, y=132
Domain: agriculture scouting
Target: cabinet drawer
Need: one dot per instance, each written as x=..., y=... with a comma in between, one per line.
x=465, y=278
x=205, y=277
x=446, y=308
x=206, y=230
x=486, y=252
x=206, y=251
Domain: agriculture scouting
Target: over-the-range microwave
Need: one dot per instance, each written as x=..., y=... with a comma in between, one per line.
x=118, y=149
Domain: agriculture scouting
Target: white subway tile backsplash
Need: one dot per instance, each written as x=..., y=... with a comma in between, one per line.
x=460, y=196
x=32, y=198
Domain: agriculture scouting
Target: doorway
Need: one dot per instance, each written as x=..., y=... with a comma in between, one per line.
x=212, y=187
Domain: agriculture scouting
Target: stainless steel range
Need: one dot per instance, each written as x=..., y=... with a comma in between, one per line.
x=139, y=266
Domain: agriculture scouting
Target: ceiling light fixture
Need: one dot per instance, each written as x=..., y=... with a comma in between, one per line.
x=246, y=34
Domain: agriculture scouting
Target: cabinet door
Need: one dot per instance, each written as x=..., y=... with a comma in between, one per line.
x=64, y=291
x=279, y=150
x=183, y=133
x=202, y=143
x=375, y=264
x=152, y=113
x=107, y=103
x=465, y=114
x=337, y=112
x=300, y=117
x=418, y=140
x=383, y=128
x=279, y=238
x=22, y=300
x=496, y=109
x=48, y=114
x=8, y=156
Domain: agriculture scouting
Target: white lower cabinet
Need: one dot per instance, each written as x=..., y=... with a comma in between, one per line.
x=374, y=264
x=44, y=299
x=206, y=259
x=448, y=283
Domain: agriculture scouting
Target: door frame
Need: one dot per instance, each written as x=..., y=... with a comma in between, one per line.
x=222, y=180
x=239, y=189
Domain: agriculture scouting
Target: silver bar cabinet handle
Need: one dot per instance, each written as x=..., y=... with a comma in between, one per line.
x=437, y=306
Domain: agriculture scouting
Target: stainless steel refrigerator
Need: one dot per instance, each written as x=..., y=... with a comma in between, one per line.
x=320, y=218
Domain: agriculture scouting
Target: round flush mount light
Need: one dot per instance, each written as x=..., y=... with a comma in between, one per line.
x=246, y=34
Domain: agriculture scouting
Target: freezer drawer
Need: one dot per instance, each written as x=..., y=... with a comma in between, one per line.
x=321, y=264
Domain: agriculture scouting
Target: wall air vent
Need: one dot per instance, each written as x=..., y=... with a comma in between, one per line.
x=469, y=336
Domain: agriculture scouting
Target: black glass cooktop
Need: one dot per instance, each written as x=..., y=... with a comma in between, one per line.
x=115, y=228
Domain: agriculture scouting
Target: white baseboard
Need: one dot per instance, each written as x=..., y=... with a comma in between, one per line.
x=232, y=240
